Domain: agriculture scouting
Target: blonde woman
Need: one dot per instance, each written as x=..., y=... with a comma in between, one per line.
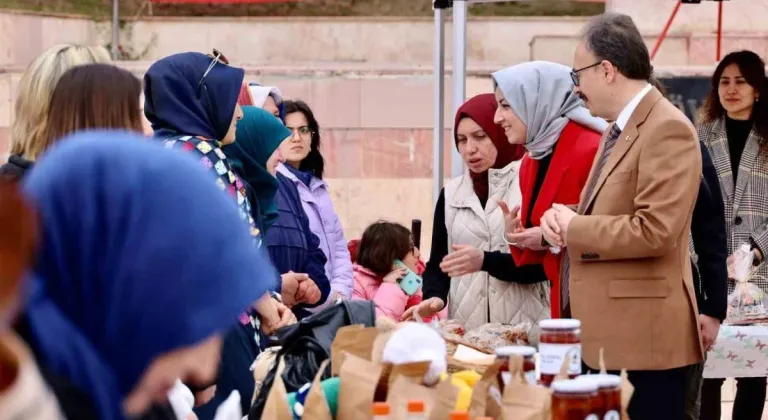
x=33, y=101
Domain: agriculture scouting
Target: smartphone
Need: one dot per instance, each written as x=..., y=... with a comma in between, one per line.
x=411, y=282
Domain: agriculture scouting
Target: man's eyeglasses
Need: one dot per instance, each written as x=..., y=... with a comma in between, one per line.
x=216, y=57
x=575, y=73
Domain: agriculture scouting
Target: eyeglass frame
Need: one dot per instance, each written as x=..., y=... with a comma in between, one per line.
x=216, y=57
x=575, y=72
x=297, y=130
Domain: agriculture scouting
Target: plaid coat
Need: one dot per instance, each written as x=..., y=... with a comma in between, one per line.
x=746, y=203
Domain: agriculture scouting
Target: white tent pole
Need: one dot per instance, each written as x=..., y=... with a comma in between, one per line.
x=115, y=28
x=459, y=72
x=438, y=143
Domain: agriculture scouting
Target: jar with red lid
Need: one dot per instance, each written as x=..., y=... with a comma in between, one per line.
x=572, y=400
x=529, y=363
x=609, y=396
x=560, y=338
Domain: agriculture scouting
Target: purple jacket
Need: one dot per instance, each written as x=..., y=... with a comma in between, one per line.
x=324, y=222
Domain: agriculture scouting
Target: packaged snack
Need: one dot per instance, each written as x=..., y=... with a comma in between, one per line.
x=747, y=301
x=489, y=337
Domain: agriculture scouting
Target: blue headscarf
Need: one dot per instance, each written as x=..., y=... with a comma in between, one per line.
x=177, y=103
x=140, y=254
x=259, y=134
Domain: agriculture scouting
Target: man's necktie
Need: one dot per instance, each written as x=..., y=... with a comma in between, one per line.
x=565, y=267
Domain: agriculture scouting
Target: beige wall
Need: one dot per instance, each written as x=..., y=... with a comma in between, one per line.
x=369, y=80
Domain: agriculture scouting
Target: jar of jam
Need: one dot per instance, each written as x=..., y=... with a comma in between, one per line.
x=609, y=396
x=572, y=400
x=529, y=363
x=560, y=338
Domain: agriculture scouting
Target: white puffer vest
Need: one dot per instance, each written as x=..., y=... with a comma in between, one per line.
x=479, y=298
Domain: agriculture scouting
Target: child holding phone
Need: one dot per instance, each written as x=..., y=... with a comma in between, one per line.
x=387, y=269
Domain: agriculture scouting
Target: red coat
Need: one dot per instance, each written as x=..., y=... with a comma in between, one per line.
x=567, y=174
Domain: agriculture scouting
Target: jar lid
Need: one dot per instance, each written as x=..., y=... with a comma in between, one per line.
x=575, y=386
x=515, y=350
x=559, y=324
x=604, y=381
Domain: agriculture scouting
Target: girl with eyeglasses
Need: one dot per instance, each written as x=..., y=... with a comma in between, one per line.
x=305, y=166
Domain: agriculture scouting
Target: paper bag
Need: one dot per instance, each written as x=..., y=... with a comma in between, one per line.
x=276, y=407
x=445, y=400
x=626, y=394
x=352, y=339
x=487, y=388
x=359, y=378
x=377, y=350
x=404, y=390
x=316, y=406
x=523, y=401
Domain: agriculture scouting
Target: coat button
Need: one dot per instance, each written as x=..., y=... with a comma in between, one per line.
x=737, y=220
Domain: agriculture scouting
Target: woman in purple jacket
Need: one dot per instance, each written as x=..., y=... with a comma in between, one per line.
x=304, y=166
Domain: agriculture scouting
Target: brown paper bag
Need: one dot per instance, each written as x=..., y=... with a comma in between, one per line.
x=358, y=379
x=414, y=372
x=315, y=406
x=404, y=390
x=487, y=388
x=377, y=350
x=523, y=401
x=626, y=394
x=352, y=339
x=445, y=400
x=276, y=406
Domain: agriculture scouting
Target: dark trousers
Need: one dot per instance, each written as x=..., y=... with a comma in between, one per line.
x=748, y=404
x=659, y=394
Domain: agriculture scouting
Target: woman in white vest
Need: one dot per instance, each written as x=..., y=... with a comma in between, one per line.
x=470, y=266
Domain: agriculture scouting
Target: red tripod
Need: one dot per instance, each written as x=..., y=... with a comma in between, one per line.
x=672, y=18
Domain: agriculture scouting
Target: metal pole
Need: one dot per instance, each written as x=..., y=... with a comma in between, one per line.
x=438, y=143
x=459, y=72
x=719, y=29
x=115, y=28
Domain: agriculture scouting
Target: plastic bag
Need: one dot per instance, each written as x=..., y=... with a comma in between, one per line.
x=747, y=301
x=489, y=337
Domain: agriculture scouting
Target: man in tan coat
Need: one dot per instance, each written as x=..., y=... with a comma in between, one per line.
x=626, y=268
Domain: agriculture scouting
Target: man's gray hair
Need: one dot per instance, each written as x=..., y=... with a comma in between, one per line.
x=615, y=38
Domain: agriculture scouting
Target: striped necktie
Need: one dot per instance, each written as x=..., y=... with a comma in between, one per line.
x=565, y=268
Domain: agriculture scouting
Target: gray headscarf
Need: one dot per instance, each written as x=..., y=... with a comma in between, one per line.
x=541, y=95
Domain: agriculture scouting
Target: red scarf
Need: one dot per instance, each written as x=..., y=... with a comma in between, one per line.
x=481, y=110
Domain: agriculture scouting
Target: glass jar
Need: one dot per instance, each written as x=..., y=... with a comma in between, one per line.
x=609, y=396
x=560, y=338
x=529, y=363
x=572, y=400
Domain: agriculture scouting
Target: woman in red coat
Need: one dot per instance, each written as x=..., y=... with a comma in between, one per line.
x=538, y=109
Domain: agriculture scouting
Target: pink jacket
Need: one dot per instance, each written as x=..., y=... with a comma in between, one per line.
x=389, y=298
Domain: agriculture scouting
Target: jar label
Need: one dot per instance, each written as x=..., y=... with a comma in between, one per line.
x=612, y=415
x=551, y=358
x=592, y=417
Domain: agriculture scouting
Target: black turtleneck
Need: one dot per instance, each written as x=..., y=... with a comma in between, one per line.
x=738, y=133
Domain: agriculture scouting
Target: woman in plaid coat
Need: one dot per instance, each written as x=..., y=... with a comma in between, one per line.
x=734, y=129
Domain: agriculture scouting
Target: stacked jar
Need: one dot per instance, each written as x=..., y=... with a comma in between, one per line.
x=574, y=400
x=559, y=339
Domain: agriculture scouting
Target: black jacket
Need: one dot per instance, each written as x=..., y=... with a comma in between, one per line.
x=710, y=274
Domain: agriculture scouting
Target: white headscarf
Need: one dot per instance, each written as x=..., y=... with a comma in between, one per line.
x=541, y=95
x=259, y=94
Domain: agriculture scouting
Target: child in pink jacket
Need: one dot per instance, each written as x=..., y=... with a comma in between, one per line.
x=377, y=277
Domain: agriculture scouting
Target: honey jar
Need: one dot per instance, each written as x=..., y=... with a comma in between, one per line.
x=573, y=399
x=609, y=396
x=529, y=363
x=560, y=338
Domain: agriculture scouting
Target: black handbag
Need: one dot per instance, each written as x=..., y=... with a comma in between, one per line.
x=306, y=344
